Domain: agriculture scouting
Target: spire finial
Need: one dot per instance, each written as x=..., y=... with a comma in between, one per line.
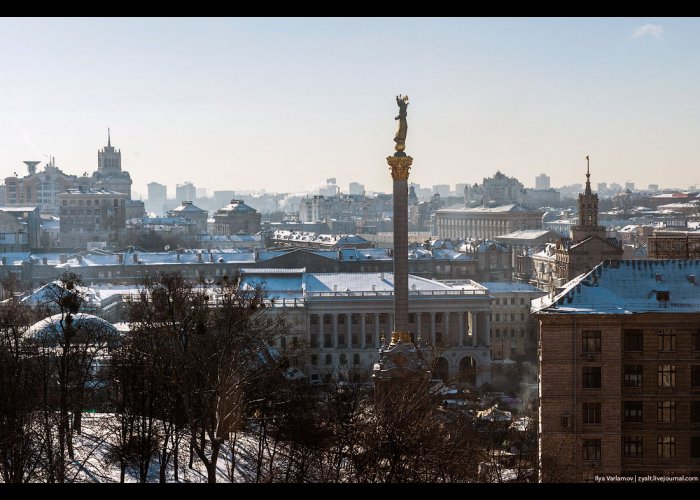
x=109, y=139
x=588, y=174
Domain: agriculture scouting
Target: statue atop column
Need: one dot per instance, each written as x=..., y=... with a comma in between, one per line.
x=400, y=137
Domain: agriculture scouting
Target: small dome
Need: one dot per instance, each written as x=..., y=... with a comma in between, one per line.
x=88, y=328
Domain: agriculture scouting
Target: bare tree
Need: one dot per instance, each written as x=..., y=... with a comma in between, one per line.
x=218, y=342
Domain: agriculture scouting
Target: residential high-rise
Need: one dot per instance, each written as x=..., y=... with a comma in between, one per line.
x=542, y=181
x=157, y=195
x=619, y=372
x=356, y=188
x=185, y=192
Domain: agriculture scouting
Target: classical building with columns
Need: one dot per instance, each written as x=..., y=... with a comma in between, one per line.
x=485, y=222
x=342, y=318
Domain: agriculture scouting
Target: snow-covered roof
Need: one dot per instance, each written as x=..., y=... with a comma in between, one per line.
x=88, y=327
x=484, y=209
x=365, y=282
x=188, y=207
x=237, y=206
x=525, y=234
x=510, y=287
x=628, y=287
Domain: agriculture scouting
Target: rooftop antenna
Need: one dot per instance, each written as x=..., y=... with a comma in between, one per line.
x=109, y=138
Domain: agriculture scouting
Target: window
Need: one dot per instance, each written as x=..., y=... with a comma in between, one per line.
x=326, y=319
x=695, y=411
x=667, y=375
x=666, y=411
x=522, y=301
x=498, y=332
x=313, y=340
x=341, y=319
x=522, y=317
x=356, y=359
x=512, y=301
x=591, y=413
x=355, y=318
x=314, y=319
x=695, y=376
x=632, y=411
x=632, y=447
x=591, y=449
x=695, y=341
x=498, y=317
x=343, y=359
x=633, y=375
x=591, y=341
x=512, y=317
x=314, y=359
x=695, y=447
x=329, y=359
x=522, y=333
x=591, y=377
x=438, y=317
x=327, y=342
x=498, y=301
x=382, y=318
x=512, y=333
x=633, y=340
x=667, y=341
x=369, y=319
x=411, y=317
x=666, y=447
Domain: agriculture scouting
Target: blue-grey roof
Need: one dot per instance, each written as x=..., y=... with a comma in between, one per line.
x=628, y=287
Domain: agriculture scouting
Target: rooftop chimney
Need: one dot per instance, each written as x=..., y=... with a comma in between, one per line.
x=691, y=279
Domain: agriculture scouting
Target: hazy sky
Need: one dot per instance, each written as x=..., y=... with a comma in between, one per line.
x=282, y=104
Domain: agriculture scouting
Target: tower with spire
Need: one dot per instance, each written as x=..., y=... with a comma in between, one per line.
x=588, y=245
x=109, y=160
x=109, y=172
x=587, y=212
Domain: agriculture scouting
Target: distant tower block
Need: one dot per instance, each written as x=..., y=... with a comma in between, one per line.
x=31, y=166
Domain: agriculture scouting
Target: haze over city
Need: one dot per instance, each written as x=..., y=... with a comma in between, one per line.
x=282, y=104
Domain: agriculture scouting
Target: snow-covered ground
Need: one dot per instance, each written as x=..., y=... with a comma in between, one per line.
x=93, y=445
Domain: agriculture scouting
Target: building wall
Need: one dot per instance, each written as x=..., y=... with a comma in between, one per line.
x=483, y=225
x=335, y=333
x=513, y=329
x=674, y=246
x=91, y=217
x=562, y=394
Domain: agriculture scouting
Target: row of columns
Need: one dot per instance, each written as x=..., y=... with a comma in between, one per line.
x=459, y=228
x=477, y=323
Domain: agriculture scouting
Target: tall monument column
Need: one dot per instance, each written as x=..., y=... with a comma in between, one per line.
x=401, y=360
x=400, y=167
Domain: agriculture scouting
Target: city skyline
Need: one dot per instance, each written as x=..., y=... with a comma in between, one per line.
x=240, y=104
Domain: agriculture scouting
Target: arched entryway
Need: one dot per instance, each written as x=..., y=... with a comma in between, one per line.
x=467, y=371
x=441, y=369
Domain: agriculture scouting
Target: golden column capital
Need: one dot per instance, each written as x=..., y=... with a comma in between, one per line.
x=400, y=167
x=397, y=337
